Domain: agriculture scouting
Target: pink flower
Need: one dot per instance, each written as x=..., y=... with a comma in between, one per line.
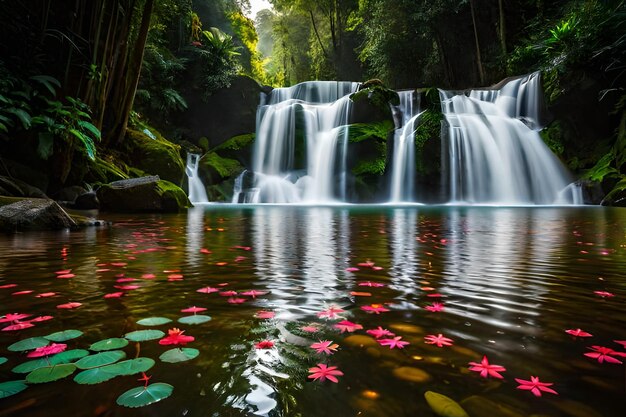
x=323, y=372
x=47, y=350
x=393, y=343
x=438, y=340
x=604, y=294
x=17, y=326
x=379, y=332
x=114, y=295
x=264, y=314
x=310, y=329
x=371, y=284
x=207, y=290
x=193, y=309
x=176, y=337
x=13, y=317
x=367, y=264
x=230, y=293
x=264, y=344
x=235, y=300
x=435, y=307
x=604, y=354
x=330, y=313
x=535, y=386
x=347, y=326
x=253, y=293
x=621, y=342
x=578, y=333
x=375, y=308
x=352, y=269
x=486, y=369
x=69, y=305
x=325, y=346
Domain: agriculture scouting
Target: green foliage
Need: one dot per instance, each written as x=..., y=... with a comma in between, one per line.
x=218, y=57
x=246, y=33
x=375, y=167
x=378, y=95
x=429, y=128
x=50, y=373
x=29, y=105
x=141, y=396
x=236, y=143
x=9, y=388
x=553, y=137
x=358, y=132
x=224, y=167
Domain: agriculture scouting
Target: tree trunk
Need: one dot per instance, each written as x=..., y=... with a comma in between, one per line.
x=479, y=62
x=317, y=35
x=502, y=28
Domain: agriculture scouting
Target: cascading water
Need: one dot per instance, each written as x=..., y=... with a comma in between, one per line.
x=301, y=148
x=495, y=152
x=197, y=192
x=403, y=165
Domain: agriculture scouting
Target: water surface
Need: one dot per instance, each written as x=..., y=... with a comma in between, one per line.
x=511, y=280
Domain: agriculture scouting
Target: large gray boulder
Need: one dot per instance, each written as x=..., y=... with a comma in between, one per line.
x=34, y=214
x=145, y=194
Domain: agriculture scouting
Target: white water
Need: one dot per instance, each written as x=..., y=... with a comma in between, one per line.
x=197, y=192
x=403, y=165
x=495, y=154
x=300, y=150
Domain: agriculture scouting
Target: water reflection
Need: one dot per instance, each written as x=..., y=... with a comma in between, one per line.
x=403, y=247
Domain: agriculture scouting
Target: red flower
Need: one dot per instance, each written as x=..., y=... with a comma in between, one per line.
x=535, y=386
x=253, y=293
x=347, y=326
x=578, y=333
x=207, y=290
x=193, y=309
x=323, y=372
x=264, y=344
x=393, y=343
x=438, y=340
x=14, y=317
x=379, y=332
x=375, y=308
x=325, y=346
x=435, y=307
x=176, y=337
x=486, y=369
x=264, y=314
x=47, y=350
x=604, y=354
x=330, y=313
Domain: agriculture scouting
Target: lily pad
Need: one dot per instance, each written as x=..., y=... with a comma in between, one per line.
x=50, y=373
x=195, y=319
x=30, y=366
x=141, y=396
x=94, y=376
x=68, y=356
x=130, y=367
x=179, y=355
x=444, y=406
x=154, y=321
x=3, y=360
x=144, y=335
x=100, y=359
x=64, y=335
x=109, y=344
x=28, y=344
x=11, y=388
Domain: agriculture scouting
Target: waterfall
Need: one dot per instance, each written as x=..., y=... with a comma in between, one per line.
x=197, y=192
x=403, y=164
x=495, y=152
x=301, y=148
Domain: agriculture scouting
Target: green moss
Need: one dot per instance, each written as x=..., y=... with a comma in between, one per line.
x=9, y=200
x=155, y=156
x=174, y=198
x=236, y=143
x=103, y=171
x=375, y=167
x=378, y=95
x=429, y=128
x=224, y=167
x=359, y=132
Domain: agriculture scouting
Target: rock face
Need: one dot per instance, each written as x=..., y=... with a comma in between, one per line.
x=155, y=155
x=145, y=194
x=34, y=214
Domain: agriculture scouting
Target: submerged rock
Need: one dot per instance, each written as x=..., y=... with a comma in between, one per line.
x=479, y=406
x=145, y=194
x=444, y=406
x=410, y=373
x=34, y=214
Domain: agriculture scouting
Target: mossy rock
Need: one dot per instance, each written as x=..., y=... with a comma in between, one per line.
x=155, y=156
x=214, y=169
x=103, y=171
x=617, y=196
x=145, y=194
x=377, y=95
x=238, y=147
x=34, y=214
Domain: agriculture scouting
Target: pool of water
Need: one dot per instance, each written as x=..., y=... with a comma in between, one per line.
x=508, y=282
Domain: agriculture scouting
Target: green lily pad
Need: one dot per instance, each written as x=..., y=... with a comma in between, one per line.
x=28, y=344
x=3, y=360
x=50, y=373
x=140, y=396
x=64, y=335
x=195, y=319
x=154, y=321
x=94, y=376
x=58, y=359
x=11, y=388
x=109, y=344
x=101, y=359
x=130, y=367
x=144, y=335
x=179, y=355
x=68, y=356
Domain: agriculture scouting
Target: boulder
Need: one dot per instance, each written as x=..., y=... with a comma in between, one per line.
x=69, y=193
x=145, y=194
x=155, y=155
x=34, y=214
x=87, y=201
x=13, y=187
